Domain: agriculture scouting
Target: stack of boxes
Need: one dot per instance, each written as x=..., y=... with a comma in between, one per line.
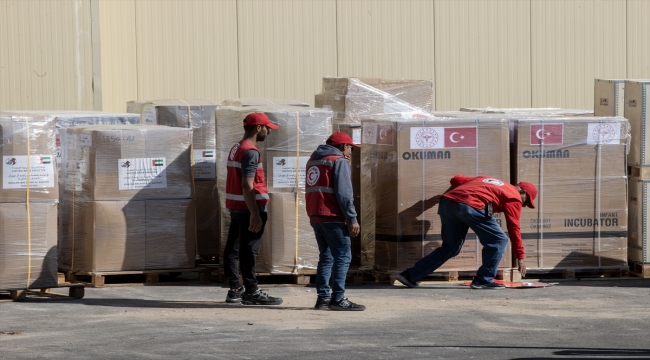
x=288, y=243
x=28, y=202
x=403, y=165
x=578, y=166
x=197, y=115
x=636, y=103
x=127, y=199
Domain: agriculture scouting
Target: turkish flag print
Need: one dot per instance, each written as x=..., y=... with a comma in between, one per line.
x=547, y=134
x=460, y=137
x=385, y=135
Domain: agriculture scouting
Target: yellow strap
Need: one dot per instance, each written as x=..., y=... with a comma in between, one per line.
x=189, y=117
x=29, y=218
x=296, y=187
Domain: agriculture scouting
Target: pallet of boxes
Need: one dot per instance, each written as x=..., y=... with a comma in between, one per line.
x=197, y=115
x=288, y=243
x=127, y=202
x=28, y=206
x=635, y=108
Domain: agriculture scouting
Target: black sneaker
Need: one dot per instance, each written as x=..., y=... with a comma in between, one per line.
x=405, y=279
x=234, y=295
x=259, y=298
x=487, y=285
x=345, y=305
x=321, y=303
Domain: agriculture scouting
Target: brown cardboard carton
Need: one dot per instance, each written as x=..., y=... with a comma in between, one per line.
x=28, y=259
x=195, y=114
x=28, y=146
x=578, y=165
x=245, y=102
x=608, y=97
x=127, y=235
x=403, y=165
x=288, y=244
x=639, y=219
x=122, y=162
x=207, y=219
x=636, y=111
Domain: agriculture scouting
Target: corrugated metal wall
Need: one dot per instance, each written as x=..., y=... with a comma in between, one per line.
x=502, y=53
x=45, y=55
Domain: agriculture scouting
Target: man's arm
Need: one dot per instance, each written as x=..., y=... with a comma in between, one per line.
x=512, y=212
x=342, y=184
x=249, y=166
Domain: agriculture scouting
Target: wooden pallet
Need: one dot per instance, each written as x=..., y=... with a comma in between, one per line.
x=639, y=172
x=639, y=269
x=453, y=276
x=75, y=291
x=577, y=273
x=126, y=278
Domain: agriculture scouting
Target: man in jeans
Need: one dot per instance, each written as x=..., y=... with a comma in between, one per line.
x=470, y=203
x=329, y=197
x=246, y=198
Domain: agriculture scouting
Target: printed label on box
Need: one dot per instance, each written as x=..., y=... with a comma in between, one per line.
x=86, y=140
x=204, y=164
x=356, y=136
x=378, y=134
x=41, y=171
x=142, y=173
x=604, y=133
x=284, y=171
x=148, y=116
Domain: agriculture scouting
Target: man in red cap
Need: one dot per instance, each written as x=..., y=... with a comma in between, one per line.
x=329, y=198
x=470, y=203
x=246, y=198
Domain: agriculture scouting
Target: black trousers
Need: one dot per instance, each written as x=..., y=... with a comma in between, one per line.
x=242, y=247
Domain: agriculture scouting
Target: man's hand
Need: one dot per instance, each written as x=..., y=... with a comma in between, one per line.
x=349, y=159
x=354, y=229
x=522, y=267
x=255, y=223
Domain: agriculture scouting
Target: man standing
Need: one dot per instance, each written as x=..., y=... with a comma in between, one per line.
x=470, y=203
x=329, y=197
x=246, y=198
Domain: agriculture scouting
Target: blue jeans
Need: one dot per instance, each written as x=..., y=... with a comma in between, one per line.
x=456, y=219
x=334, y=259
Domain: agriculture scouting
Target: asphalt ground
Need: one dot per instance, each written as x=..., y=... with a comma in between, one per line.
x=580, y=319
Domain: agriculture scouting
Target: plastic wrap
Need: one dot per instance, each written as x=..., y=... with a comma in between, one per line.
x=406, y=163
x=639, y=220
x=532, y=111
x=636, y=111
x=126, y=198
x=352, y=99
x=28, y=202
x=246, y=102
x=288, y=243
x=608, y=97
x=578, y=166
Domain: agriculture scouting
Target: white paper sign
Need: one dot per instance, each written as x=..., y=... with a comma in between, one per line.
x=86, y=140
x=604, y=133
x=41, y=171
x=142, y=173
x=284, y=171
x=356, y=136
x=427, y=138
x=204, y=163
x=369, y=134
x=149, y=115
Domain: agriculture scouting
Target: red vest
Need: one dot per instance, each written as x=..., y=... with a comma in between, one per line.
x=234, y=192
x=319, y=192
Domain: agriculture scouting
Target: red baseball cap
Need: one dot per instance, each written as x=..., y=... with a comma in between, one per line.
x=259, y=119
x=339, y=138
x=531, y=190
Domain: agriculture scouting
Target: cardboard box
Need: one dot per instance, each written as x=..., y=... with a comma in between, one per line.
x=636, y=111
x=28, y=146
x=207, y=219
x=405, y=163
x=246, y=102
x=28, y=259
x=532, y=111
x=639, y=219
x=288, y=243
x=127, y=235
x=122, y=162
x=578, y=165
x=609, y=95
x=199, y=115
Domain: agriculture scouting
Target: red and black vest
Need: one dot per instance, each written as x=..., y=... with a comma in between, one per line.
x=234, y=192
x=319, y=190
